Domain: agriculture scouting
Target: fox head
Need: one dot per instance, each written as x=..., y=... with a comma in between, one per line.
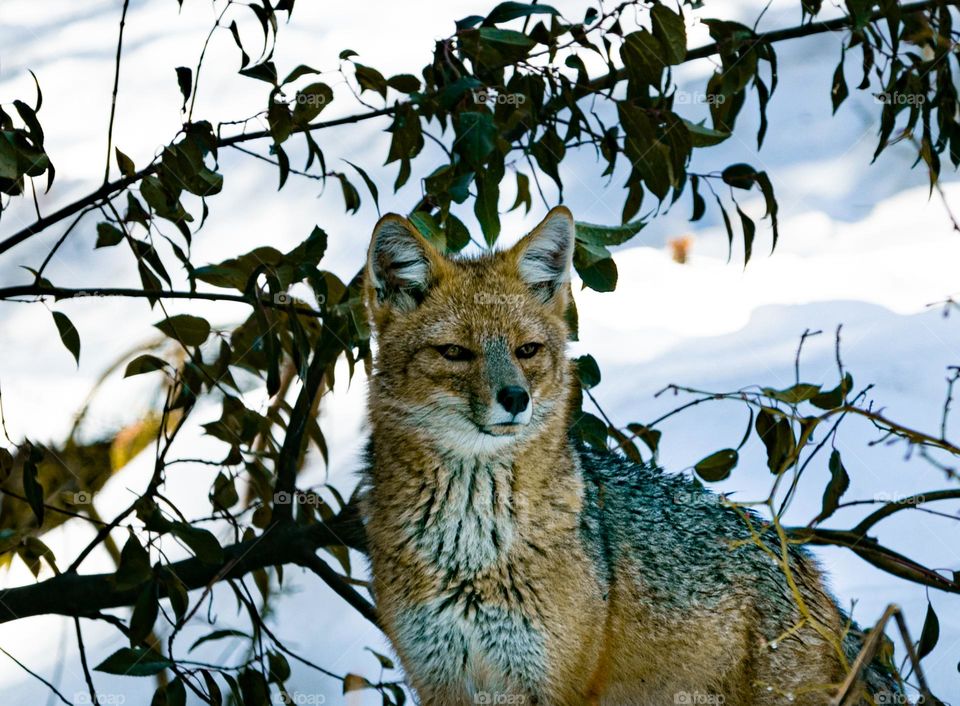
x=471, y=351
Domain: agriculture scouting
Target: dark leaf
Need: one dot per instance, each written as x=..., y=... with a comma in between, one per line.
x=588, y=372
x=134, y=662
x=68, y=334
x=669, y=29
x=189, y=330
x=145, y=363
x=717, y=466
x=124, y=163
x=185, y=81
x=930, y=634
x=839, y=482
x=108, y=235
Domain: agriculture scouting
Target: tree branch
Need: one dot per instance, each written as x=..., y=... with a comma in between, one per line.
x=88, y=594
x=72, y=293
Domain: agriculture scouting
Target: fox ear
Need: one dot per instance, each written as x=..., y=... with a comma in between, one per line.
x=545, y=254
x=400, y=264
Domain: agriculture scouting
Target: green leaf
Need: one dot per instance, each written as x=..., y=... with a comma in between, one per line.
x=456, y=235
x=172, y=694
x=144, y=364
x=608, y=236
x=772, y=206
x=189, y=330
x=930, y=634
x=185, y=82
x=311, y=101
x=134, y=662
x=384, y=661
x=145, y=612
x=717, y=466
x=68, y=334
x=203, y=544
x=108, y=235
x=831, y=399
x=595, y=266
x=32, y=489
x=643, y=57
x=405, y=83
x=591, y=430
x=262, y=72
x=351, y=197
x=838, y=88
x=427, y=225
x=371, y=186
x=134, y=567
x=216, y=635
x=588, y=372
x=793, y=395
x=124, y=163
x=749, y=231
x=370, y=79
x=739, y=176
x=506, y=11
x=703, y=136
x=523, y=193
x=301, y=70
x=650, y=437
x=486, y=203
x=279, y=668
x=777, y=435
x=476, y=136
x=669, y=29
x=838, y=485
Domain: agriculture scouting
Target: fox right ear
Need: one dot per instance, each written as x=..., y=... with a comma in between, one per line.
x=400, y=265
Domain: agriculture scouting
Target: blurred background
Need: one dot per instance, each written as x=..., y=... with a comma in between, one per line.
x=863, y=245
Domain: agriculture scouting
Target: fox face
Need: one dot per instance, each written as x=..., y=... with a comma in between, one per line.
x=471, y=351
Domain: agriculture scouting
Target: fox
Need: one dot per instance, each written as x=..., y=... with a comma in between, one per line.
x=513, y=565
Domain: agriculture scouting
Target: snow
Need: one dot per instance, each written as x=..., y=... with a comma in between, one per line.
x=860, y=245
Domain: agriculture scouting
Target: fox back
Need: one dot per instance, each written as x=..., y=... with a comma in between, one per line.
x=512, y=566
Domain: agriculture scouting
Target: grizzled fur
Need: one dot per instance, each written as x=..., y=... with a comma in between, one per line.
x=511, y=565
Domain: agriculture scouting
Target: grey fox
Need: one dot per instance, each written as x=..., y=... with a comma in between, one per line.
x=510, y=565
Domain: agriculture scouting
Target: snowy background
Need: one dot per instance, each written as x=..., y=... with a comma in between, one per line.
x=860, y=245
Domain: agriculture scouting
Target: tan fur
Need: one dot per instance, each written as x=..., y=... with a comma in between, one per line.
x=604, y=644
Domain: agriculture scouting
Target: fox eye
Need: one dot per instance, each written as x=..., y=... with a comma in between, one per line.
x=451, y=351
x=528, y=350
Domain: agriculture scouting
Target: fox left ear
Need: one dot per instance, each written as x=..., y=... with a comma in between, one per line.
x=545, y=254
x=401, y=266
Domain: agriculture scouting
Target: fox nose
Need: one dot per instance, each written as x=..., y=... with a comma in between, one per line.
x=514, y=399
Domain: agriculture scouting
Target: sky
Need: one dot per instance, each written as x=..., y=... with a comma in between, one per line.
x=861, y=245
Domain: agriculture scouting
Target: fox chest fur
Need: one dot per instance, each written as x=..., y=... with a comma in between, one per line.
x=466, y=580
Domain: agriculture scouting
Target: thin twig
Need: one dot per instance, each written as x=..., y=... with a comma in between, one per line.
x=116, y=86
